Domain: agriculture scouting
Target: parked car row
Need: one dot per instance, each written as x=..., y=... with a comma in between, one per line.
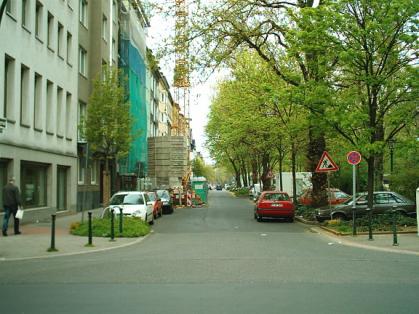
x=383, y=202
x=145, y=205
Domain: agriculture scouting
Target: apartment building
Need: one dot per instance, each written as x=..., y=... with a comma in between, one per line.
x=97, y=45
x=38, y=101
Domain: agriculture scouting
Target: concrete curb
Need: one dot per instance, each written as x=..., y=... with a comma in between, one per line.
x=3, y=259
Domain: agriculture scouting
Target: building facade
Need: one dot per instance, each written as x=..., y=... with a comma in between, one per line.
x=98, y=28
x=38, y=99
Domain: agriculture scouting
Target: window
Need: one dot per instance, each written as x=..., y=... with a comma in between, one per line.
x=9, y=7
x=69, y=48
x=68, y=117
x=81, y=167
x=60, y=39
x=24, y=96
x=83, y=12
x=93, y=173
x=114, y=11
x=38, y=19
x=50, y=30
x=61, y=188
x=50, y=107
x=33, y=184
x=82, y=61
x=37, y=115
x=25, y=13
x=9, y=79
x=113, y=50
x=104, y=28
x=81, y=120
x=59, y=121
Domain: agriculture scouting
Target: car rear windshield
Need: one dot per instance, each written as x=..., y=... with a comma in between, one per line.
x=276, y=197
x=152, y=196
x=127, y=199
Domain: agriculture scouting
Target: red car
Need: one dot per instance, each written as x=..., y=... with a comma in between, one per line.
x=336, y=197
x=273, y=204
x=157, y=204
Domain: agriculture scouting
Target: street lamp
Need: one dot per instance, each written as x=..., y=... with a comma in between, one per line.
x=391, y=144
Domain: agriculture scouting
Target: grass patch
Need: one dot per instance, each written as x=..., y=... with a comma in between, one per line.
x=379, y=223
x=132, y=227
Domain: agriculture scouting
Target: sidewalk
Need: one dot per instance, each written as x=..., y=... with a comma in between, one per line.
x=408, y=243
x=35, y=240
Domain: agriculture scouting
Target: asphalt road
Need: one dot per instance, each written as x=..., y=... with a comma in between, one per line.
x=217, y=259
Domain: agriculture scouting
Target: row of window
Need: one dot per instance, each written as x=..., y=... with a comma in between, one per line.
x=43, y=104
x=83, y=168
x=45, y=27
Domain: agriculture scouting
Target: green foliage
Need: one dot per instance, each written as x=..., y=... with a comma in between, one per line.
x=132, y=227
x=109, y=122
x=241, y=192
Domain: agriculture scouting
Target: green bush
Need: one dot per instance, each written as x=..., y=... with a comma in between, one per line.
x=132, y=227
x=378, y=223
x=307, y=212
x=241, y=192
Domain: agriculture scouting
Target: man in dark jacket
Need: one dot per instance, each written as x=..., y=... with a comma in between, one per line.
x=11, y=202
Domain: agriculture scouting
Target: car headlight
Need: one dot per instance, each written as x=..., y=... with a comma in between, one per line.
x=165, y=203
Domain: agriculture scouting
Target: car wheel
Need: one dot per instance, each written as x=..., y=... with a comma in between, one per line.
x=255, y=216
x=152, y=221
x=291, y=219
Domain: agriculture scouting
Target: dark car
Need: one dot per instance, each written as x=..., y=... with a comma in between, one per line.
x=384, y=201
x=218, y=187
x=274, y=204
x=167, y=204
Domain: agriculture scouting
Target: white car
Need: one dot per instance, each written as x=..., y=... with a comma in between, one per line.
x=134, y=204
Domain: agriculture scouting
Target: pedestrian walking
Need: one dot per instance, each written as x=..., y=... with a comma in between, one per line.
x=11, y=203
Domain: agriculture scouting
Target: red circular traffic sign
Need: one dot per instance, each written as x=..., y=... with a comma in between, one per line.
x=353, y=157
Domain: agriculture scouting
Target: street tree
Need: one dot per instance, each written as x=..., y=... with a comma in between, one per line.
x=108, y=124
x=376, y=81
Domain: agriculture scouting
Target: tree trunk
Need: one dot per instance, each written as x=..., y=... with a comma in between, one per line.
x=106, y=184
x=379, y=159
x=293, y=166
x=255, y=174
x=265, y=170
x=316, y=147
x=370, y=185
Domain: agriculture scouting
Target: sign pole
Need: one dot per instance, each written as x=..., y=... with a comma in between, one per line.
x=329, y=194
x=353, y=199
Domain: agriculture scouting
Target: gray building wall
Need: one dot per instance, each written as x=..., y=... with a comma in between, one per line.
x=38, y=98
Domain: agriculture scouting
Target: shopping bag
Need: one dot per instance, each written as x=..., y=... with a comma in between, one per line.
x=19, y=213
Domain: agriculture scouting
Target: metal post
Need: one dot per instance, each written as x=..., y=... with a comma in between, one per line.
x=90, y=243
x=52, y=248
x=395, y=228
x=112, y=225
x=417, y=208
x=369, y=225
x=120, y=220
x=353, y=200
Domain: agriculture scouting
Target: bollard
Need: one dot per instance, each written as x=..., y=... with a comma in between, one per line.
x=369, y=225
x=395, y=228
x=112, y=225
x=52, y=248
x=90, y=230
x=120, y=220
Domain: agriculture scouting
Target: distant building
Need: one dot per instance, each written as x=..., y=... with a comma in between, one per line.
x=38, y=98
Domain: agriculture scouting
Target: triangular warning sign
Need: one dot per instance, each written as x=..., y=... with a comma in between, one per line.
x=326, y=163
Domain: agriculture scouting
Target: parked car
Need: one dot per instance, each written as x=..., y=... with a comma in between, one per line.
x=133, y=203
x=167, y=204
x=336, y=197
x=219, y=187
x=274, y=204
x=384, y=201
x=157, y=204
